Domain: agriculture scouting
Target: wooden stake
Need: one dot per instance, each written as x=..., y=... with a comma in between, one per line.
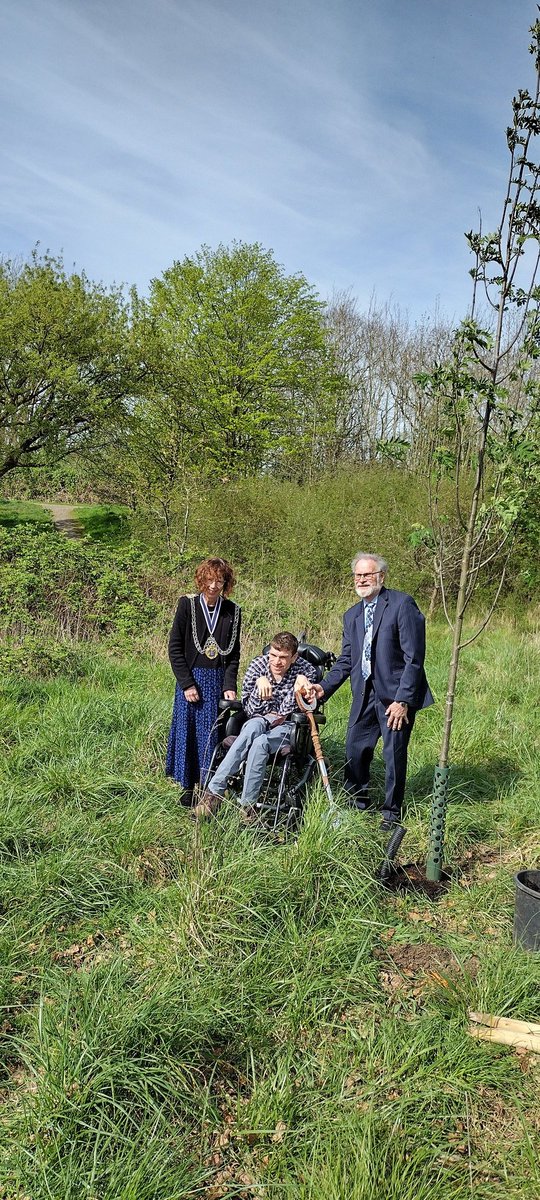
x=506, y=1037
x=510, y=1023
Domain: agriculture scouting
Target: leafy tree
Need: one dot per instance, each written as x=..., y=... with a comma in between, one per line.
x=235, y=351
x=66, y=364
x=487, y=398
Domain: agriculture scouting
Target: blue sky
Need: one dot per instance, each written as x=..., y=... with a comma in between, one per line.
x=355, y=138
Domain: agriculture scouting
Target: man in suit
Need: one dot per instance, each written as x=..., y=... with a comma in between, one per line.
x=383, y=655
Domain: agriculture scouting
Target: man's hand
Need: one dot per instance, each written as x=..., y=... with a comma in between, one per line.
x=191, y=695
x=303, y=685
x=229, y=695
x=317, y=690
x=396, y=714
x=264, y=688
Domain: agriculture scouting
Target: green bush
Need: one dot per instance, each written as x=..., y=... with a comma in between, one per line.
x=80, y=588
x=274, y=530
x=38, y=658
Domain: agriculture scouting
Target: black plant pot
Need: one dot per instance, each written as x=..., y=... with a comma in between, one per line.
x=527, y=911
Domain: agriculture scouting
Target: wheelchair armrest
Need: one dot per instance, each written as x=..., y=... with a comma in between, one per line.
x=231, y=717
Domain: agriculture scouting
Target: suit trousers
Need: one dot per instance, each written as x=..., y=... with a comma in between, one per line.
x=362, y=737
x=254, y=745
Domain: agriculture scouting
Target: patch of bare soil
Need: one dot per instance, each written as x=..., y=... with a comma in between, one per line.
x=410, y=968
x=412, y=878
x=95, y=948
x=412, y=959
x=234, y=1155
x=497, y=1129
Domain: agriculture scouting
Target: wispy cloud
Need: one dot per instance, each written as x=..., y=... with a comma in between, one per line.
x=356, y=140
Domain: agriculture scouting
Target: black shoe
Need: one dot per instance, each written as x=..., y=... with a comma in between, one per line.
x=186, y=798
x=388, y=823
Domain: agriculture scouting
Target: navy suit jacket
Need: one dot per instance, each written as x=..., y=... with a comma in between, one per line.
x=397, y=653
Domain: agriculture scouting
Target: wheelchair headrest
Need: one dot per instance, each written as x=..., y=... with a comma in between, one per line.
x=320, y=659
x=314, y=655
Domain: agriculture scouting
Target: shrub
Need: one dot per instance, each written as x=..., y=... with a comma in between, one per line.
x=81, y=588
x=276, y=530
x=40, y=658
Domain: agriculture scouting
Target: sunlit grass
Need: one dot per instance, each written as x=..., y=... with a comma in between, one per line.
x=17, y=512
x=198, y=1012
x=109, y=524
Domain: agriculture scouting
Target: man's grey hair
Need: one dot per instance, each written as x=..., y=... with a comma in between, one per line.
x=381, y=563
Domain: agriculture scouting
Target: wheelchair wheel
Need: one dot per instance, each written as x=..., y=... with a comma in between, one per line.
x=291, y=792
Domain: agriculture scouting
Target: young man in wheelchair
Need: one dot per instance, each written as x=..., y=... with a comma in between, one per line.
x=269, y=690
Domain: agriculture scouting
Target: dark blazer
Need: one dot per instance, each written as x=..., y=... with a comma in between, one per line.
x=397, y=653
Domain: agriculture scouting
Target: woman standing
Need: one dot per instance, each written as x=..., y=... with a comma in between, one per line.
x=204, y=652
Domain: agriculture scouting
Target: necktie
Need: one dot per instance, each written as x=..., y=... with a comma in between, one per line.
x=369, y=613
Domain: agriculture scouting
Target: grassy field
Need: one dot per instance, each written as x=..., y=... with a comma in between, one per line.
x=200, y=1013
x=104, y=523
x=19, y=512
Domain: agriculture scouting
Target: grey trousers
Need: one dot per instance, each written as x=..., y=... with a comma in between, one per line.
x=254, y=745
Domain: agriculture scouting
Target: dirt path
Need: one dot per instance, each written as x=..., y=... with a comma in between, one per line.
x=65, y=519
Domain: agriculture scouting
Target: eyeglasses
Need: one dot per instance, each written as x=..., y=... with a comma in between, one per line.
x=367, y=575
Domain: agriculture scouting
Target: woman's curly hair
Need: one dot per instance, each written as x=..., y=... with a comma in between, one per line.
x=211, y=568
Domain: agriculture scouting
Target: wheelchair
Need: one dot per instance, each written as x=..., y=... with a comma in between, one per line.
x=291, y=769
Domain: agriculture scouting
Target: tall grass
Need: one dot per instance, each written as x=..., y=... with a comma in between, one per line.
x=201, y=1012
